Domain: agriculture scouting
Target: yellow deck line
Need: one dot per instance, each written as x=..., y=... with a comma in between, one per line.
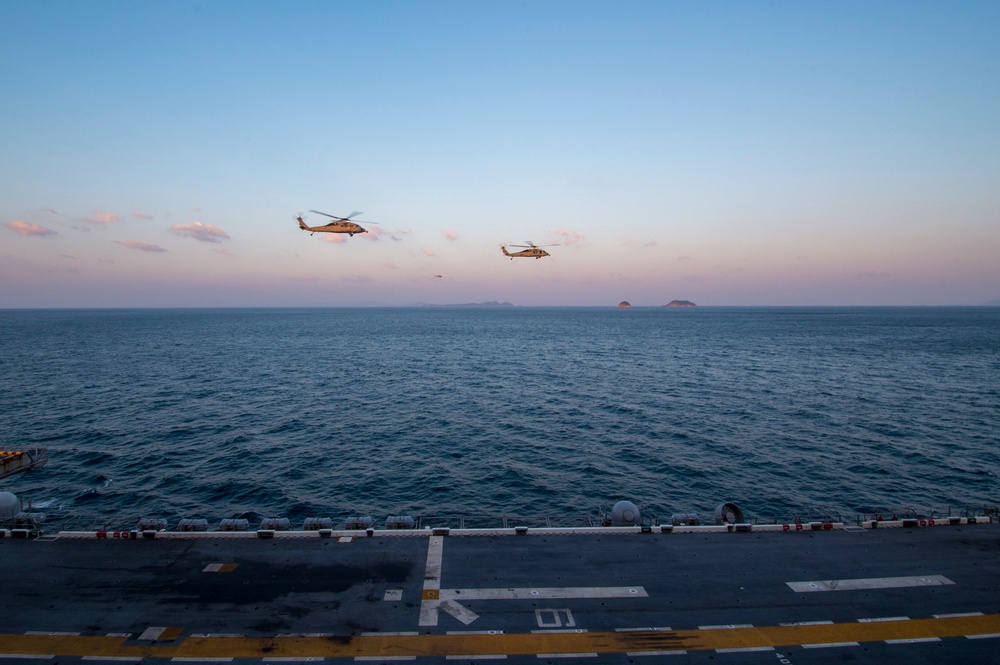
x=511, y=644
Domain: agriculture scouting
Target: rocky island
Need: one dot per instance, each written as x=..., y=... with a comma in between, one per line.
x=624, y=304
x=680, y=303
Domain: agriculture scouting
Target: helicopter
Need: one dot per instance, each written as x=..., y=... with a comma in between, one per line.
x=339, y=225
x=531, y=250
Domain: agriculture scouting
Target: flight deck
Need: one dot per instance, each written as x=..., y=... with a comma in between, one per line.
x=784, y=595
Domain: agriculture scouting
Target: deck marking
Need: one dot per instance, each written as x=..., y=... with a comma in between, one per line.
x=957, y=615
x=726, y=627
x=376, y=634
x=557, y=621
x=882, y=619
x=393, y=594
x=123, y=659
x=457, y=610
x=42, y=632
x=807, y=623
x=914, y=640
x=432, y=582
x=384, y=647
x=308, y=659
x=869, y=583
x=743, y=649
x=434, y=598
x=680, y=652
x=566, y=655
x=152, y=632
x=643, y=629
x=545, y=593
x=478, y=656
x=183, y=659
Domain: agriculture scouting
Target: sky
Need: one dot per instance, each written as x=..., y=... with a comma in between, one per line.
x=156, y=154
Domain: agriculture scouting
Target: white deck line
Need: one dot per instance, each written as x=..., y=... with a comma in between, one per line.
x=881, y=619
x=830, y=645
x=478, y=656
x=869, y=583
x=982, y=636
x=566, y=655
x=914, y=640
x=547, y=593
x=743, y=649
x=644, y=629
x=679, y=652
x=957, y=615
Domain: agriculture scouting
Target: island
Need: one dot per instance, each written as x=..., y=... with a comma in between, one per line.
x=624, y=304
x=680, y=303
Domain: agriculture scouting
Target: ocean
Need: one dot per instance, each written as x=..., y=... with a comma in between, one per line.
x=558, y=412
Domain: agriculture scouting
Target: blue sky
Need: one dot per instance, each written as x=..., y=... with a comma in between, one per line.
x=778, y=153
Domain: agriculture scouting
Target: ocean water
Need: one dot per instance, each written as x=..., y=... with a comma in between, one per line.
x=511, y=411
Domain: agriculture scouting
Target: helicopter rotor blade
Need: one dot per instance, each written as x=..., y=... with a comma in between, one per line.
x=353, y=214
x=326, y=215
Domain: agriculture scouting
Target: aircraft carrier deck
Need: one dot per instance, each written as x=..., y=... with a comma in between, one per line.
x=907, y=591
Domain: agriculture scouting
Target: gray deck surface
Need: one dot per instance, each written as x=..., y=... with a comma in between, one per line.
x=891, y=595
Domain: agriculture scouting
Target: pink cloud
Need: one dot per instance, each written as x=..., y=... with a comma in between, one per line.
x=138, y=214
x=335, y=238
x=103, y=218
x=428, y=252
x=451, y=235
x=29, y=229
x=139, y=246
x=570, y=237
x=376, y=233
x=201, y=232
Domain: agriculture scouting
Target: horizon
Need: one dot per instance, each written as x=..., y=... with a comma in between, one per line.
x=503, y=305
x=784, y=155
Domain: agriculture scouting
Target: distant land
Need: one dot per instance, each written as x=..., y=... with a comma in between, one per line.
x=491, y=303
x=680, y=303
x=624, y=304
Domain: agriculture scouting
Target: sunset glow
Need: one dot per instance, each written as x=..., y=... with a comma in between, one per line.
x=725, y=153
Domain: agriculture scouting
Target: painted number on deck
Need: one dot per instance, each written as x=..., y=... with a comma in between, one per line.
x=543, y=615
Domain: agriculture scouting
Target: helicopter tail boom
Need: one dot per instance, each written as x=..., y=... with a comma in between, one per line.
x=505, y=252
x=302, y=225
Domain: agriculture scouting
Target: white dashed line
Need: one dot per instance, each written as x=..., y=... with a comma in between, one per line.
x=743, y=649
